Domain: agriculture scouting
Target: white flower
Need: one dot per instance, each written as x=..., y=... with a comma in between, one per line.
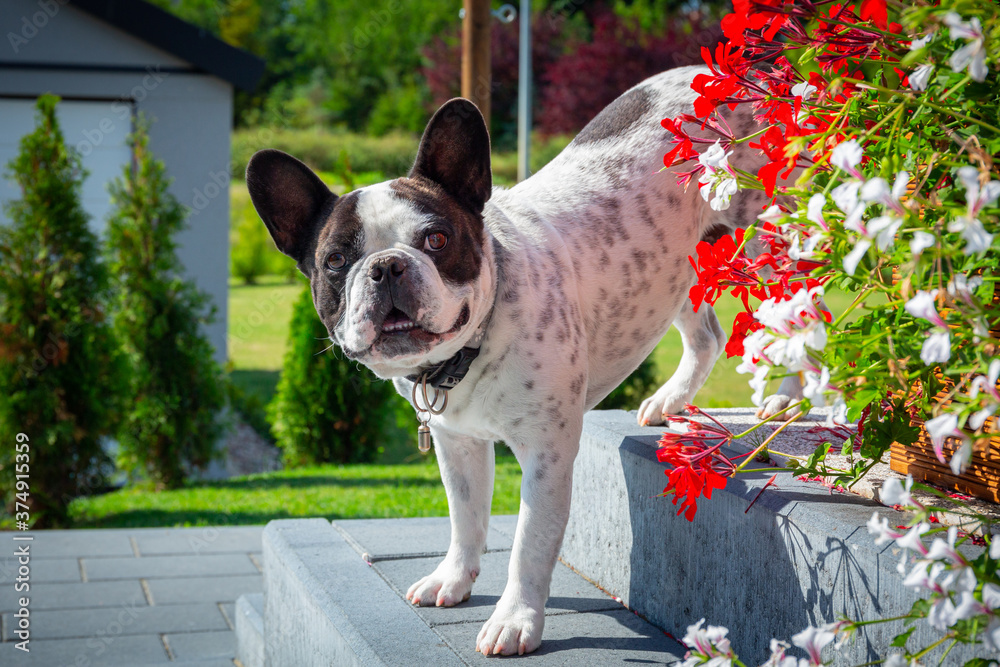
x=936, y=348
x=922, y=305
x=921, y=241
x=991, y=596
x=816, y=386
x=711, y=642
x=779, y=659
x=977, y=198
x=977, y=239
x=847, y=155
x=718, y=176
x=920, y=77
x=879, y=526
x=804, y=90
x=945, y=550
x=895, y=492
x=852, y=258
x=812, y=640
x=895, y=660
x=838, y=415
x=960, y=460
x=923, y=576
x=940, y=428
x=911, y=540
x=973, y=54
x=991, y=636
x=808, y=249
x=884, y=229
x=922, y=42
x=995, y=547
x=814, y=212
x=773, y=214
x=759, y=383
x=961, y=286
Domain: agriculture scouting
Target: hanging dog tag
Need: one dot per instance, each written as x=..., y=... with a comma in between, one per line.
x=423, y=438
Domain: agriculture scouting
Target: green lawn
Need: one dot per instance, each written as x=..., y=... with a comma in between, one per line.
x=332, y=492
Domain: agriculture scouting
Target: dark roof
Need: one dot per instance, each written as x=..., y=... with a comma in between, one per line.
x=196, y=45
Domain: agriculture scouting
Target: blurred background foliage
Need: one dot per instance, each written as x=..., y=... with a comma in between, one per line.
x=384, y=65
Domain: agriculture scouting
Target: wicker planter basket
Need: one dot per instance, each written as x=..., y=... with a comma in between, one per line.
x=981, y=479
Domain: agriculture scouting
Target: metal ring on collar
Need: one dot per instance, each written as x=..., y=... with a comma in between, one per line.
x=431, y=405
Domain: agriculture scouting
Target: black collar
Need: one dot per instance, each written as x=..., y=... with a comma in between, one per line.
x=449, y=372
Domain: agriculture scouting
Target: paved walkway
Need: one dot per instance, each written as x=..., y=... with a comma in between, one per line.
x=144, y=596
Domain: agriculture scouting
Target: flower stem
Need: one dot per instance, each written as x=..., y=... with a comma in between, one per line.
x=771, y=437
x=766, y=421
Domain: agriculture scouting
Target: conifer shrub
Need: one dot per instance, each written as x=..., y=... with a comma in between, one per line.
x=175, y=388
x=327, y=408
x=60, y=369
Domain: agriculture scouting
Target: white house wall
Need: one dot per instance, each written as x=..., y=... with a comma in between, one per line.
x=191, y=114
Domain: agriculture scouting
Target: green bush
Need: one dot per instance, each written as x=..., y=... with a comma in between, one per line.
x=60, y=369
x=251, y=251
x=334, y=151
x=328, y=409
x=401, y=107
x=637, y=386
x=171, y=422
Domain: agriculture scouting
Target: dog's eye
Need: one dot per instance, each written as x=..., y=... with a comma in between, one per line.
x=435, y=241
x=336, y=261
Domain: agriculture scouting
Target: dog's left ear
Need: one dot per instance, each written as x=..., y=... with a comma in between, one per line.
x=455, y=153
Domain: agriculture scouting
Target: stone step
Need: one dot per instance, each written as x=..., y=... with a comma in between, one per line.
x=250, y=629
x=800, y=556
x=326, y=605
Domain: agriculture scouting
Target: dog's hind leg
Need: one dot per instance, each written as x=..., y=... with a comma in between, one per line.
x=704, y=340
x=467, y=466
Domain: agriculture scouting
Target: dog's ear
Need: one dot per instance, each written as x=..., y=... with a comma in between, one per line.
x=455, y=153
x=289, y=198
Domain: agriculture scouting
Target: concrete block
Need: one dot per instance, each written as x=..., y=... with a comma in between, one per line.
x=568, y=593
x=127, y=651
x=202, y=645
x=160, y=567
x=199, y=541
x=43, y=571
x=250, y=630
x=203, y=589
x=325, y=605
x=800, y=556
x=421, y=537
x=76, y=595
x=128, y=619
x=596, y=639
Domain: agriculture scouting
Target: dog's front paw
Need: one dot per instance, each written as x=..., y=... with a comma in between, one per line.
x=511, y=629
x=774, y=404
x=446, y=586
x=666, y=401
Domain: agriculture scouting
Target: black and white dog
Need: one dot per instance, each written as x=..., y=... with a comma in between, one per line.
x=529, y=305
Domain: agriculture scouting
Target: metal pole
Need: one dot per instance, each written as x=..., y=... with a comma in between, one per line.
x=524, y=94
x=476, y=79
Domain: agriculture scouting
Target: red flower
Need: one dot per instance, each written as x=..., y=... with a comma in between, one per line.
x=699, y=466
x=875, y=11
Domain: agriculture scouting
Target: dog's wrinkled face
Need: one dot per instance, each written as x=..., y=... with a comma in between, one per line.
x=396, y=269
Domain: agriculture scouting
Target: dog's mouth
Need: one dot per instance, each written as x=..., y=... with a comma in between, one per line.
x=398, y=324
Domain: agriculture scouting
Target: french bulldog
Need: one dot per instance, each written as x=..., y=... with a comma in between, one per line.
x=526, y=306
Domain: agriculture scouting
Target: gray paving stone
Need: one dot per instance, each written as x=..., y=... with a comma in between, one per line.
x=79, y=543
x=410, y=538
x=122, y=620
x=76, y=595
x=203, y=589
x=43, y=571
x=168, y=566
x=105, y=652
x=569, y=591
x=202, y=645
x=198, y=541
x=599, y=638
x=229, y=609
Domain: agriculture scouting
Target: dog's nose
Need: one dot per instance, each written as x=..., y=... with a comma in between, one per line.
x=386, y=266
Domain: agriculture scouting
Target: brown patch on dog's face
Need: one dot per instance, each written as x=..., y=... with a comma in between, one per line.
x=460, y=260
